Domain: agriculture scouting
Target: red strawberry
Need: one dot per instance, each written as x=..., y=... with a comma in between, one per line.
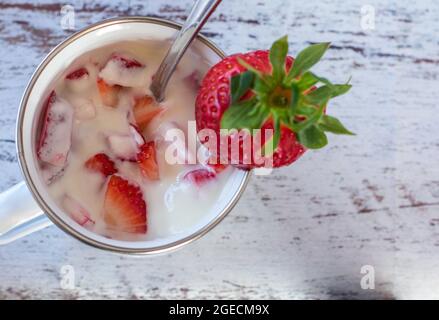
x=199, y=176
x=124, y=207
x=77, y=74
x=109, y=94
x=148, y=162
x=145, y=109
x=101, y=163
x=269, y=90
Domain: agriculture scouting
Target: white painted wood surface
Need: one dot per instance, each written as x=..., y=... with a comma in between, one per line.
x=304, y=231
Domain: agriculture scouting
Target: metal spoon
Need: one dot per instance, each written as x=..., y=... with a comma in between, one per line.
x=199, y=14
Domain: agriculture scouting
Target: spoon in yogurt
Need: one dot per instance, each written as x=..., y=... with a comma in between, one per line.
x=198, y=16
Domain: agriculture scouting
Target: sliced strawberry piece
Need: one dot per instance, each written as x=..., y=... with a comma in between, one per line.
x=109, y=93
x=124, y=207
x=218, y=168
x=123, y=146
x=126, y=61
x=77, y=74
x=127, y=146
x=76, y=211
x=199, y=177
x=101, y=163
x=51, y=173
x=124, y=70
x=78, y=80
x=55, y=139
x=147, y=161
x=145, y=109
x=137, y=135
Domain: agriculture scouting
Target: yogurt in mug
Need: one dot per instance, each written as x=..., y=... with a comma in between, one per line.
x=103, y=151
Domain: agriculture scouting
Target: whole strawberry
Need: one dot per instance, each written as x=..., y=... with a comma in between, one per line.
x=267, y=90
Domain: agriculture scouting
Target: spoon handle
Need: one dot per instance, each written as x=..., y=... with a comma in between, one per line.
x=199, y=14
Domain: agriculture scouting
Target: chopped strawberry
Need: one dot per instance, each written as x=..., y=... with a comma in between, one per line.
x=126, y=62
x=109, y=94
x=78, y=81
x=77, y=74
x=125, y=71
x=218, y=167
x=76, y=211
x=137, y=135
x=147, y=161
x=101, y=163
x=145, y=109
x=124, y=146
x=199, y=177
x=51, y=173
x=124, y=207
x=55, y=139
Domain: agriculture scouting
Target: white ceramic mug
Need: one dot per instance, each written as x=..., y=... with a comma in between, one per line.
x=22, y=207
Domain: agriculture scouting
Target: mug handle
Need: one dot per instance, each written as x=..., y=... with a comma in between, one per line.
x=19, y=214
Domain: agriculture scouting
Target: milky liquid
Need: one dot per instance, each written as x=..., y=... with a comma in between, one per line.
x=173, y=205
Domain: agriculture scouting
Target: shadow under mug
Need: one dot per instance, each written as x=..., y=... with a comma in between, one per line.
x=27, y=207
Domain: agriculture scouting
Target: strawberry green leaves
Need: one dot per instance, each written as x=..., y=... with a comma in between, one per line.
x=339, y=89
x=312, y=137
x=276, y=132
x=244, y=115
x=240, y=84
x=308, y=80
x=295, y=98
x=331, y=124
x=278, y=54
x=311, y=132
x=247, y=114
x=306, y=59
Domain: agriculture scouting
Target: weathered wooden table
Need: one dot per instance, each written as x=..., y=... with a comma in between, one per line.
x=304, y=231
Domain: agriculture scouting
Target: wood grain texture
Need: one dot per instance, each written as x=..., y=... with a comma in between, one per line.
x=303, y=231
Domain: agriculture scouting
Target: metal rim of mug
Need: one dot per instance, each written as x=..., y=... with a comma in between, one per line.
x=57, y=220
